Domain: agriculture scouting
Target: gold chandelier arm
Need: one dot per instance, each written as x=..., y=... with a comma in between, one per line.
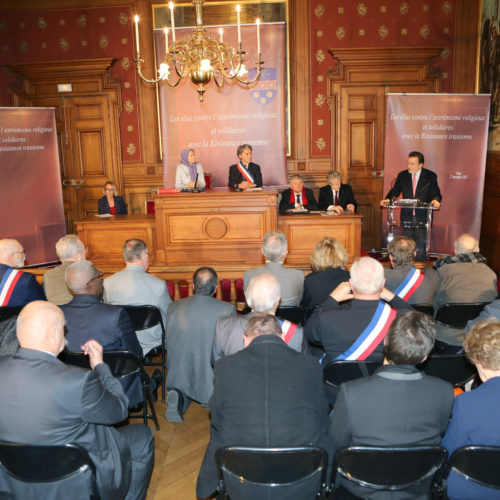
x=220, y=83
x=257, y=75
x=138, y=63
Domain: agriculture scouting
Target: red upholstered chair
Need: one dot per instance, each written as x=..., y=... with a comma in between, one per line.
x=209, y=180
x=150, y=206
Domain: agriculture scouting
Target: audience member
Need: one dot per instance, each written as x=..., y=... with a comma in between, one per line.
x=412, y=285
x=474, y=420
x=490, y=311
x=336, y=196
x=16, y=287
x=265, y=395
x=275, y=249
x=355, y=330
x=69, y=249
x=50, y=403
x=463, y=278
x=327, y=262
x=133, y=286
x=190, y=334
x=87, y=317
x=263, y=297
x=297, y=196
x=398, y=405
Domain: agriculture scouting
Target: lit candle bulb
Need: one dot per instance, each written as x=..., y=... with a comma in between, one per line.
x=220, y=33
x=136, y=23
x=171, y=7
x=238, y=8
x=258, y=36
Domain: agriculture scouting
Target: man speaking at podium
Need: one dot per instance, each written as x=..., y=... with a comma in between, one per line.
x=415, y=183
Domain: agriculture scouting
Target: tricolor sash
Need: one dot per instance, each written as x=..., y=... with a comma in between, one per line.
x=288, y=328
x=410, y=284
x=7, y=285
x=245, y=172
x=372, y=335
x=304, y=197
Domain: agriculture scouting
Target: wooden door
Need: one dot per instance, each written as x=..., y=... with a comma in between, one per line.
x=356, y=92
x=87, y=129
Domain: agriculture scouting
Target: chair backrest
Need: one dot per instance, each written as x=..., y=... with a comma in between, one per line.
x=337, y=372
x=424, y=308
x=295, y=314
x=144, y=317
x=454, y=368
x=389, y=469
x=39, y=472
x=7, y=312
x=476, y=463
x=457, y=315
x=208, y=180
x=272, y=473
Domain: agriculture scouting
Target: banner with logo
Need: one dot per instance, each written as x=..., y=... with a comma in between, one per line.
x=232, y=115
x=31, y=203
x=451, y=130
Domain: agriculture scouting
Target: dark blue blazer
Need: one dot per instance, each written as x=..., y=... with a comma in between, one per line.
x=87, y=317
x=474, y=420
x=286, y=205
x=27, y=288
x=345, y=197
x=235, y=176
x=103, y=205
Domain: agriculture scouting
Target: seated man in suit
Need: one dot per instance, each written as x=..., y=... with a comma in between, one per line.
x=353, y=321
x=474, y=420
x=335, y=195
x=244, y=174
x=16, y=287
x=297, y=196
x=134, y=286
x=263, y=297
x=190, y=334
x=87, y=317
x=275, y=249
x=69, y=249
x=51, y=403
x=412, y=285
x=398, y=405
x=265, y=395
x=463, y=278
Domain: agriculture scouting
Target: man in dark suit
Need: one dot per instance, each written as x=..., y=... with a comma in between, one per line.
x=415, y=183
x=50, y=403
x=87, y=317
x=265, y=395
x=244, y=174
x=190, y=333
x=16, y=288
x=398, y=405
x=297, y=196
x=336, y=196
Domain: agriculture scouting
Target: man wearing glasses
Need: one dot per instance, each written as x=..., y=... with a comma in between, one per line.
x=17, y=288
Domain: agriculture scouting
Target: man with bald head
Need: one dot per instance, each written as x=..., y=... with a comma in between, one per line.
x=51, y=403
x=352, y=322
x=463, y=278
x=69, y=249
x=87, y=317
x=263, y=295
x=16, y=287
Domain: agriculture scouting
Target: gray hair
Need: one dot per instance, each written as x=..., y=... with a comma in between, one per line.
x=262, y=293
x=205, y=281
x=69, y=246
x=466, y=243
x=242, y=148
x=132, y=249
x=367, y=276
x=262, y=324
x=333, y=174
x=79, y=274
x=402, y=250
x=274, y=246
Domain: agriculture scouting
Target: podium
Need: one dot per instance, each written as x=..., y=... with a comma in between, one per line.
x=416, y=223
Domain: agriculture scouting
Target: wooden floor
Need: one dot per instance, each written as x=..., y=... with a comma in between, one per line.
x=179, y=450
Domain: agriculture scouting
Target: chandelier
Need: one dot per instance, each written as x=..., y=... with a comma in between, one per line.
x=200, y=56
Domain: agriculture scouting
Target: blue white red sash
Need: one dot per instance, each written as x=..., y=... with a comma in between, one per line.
x=410, y=284
x=288, y=328
x=245, y=172
x=372, y=335
x=7, y=285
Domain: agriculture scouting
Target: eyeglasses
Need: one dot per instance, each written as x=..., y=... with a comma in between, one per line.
x=100, y=275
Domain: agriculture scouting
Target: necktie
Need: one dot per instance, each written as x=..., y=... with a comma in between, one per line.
x=335, y=199
x=414, y=181
x=298, y=199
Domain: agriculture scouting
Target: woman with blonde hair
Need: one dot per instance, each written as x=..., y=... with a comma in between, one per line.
x=327, y=262
x=111, y=203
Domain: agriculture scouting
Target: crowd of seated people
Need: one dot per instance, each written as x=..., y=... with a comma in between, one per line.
x=254, y=372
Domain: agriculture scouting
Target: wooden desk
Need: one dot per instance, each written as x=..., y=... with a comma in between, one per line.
x=303, y=231
x=104, y=237
x=216, y=227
